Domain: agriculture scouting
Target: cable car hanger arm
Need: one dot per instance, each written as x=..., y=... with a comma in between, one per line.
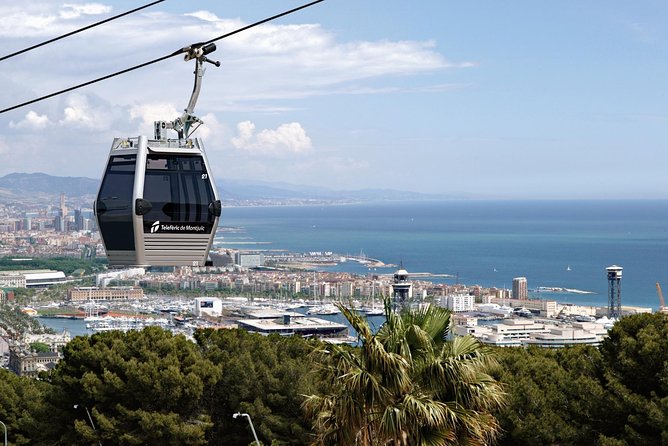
x=184, y=123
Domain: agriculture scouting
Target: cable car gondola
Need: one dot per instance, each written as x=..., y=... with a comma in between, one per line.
x=157, y=203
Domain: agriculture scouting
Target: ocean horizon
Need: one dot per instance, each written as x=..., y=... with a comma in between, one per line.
x=554, y=244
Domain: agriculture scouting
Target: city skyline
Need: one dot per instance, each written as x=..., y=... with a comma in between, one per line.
x=484, y=101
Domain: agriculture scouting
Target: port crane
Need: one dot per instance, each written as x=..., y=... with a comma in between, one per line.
x=662, y=303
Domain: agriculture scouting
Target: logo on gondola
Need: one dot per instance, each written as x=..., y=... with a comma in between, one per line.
x=177, y=227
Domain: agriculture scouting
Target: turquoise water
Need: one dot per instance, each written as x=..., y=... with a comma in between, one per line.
x=484, y=242
x=76, y=327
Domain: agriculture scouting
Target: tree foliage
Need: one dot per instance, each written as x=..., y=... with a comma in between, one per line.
x=612, y=396
x=555, y=396
x=139, y=387
x=20, y=400
x=262, y=376
x=39, y=347
x=405, y=385
x=16, y=322
x=66, y=264
x=636, y=375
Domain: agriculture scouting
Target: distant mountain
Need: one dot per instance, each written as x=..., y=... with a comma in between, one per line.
x=258, y=190
x=24, y=185
x=21, y=184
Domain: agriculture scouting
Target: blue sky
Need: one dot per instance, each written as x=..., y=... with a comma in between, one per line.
x=522, y=99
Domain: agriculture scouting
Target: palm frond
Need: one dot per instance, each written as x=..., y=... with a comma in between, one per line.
x=406, y=384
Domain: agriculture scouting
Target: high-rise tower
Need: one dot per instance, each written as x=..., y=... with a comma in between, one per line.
x=63, y=208
x=520, y=290
x=614, y=291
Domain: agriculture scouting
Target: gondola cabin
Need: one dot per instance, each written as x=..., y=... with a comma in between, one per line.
x=157, y=204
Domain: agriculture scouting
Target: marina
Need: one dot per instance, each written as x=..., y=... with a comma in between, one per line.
x=302, y=318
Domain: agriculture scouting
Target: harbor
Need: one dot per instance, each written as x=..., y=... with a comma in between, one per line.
x=184, y=316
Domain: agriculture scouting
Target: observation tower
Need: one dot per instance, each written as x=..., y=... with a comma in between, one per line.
x=614, y=291
x=402, y=288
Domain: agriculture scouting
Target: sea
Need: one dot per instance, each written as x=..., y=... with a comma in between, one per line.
x=554, y=244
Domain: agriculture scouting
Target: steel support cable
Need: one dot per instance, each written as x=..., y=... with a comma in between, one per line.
x=25, y=50
x=160, y=59
x=261, y=22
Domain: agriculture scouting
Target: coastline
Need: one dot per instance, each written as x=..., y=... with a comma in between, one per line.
x=485, y=242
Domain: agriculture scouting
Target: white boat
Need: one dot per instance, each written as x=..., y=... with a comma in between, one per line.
x=606, y=322
x=324, y=310
x=373, y=311
x=496, y=309
x=523, y=312
x=125, y=323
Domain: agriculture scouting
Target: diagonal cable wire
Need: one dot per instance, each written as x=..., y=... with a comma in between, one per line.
x=160, y=59
x=127, y=70
x=268, y=19
x=25, y=50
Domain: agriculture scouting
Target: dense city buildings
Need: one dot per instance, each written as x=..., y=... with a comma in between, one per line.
x=258, y=289
x=32, y=231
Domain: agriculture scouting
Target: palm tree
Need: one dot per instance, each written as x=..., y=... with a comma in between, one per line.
x=405, y=385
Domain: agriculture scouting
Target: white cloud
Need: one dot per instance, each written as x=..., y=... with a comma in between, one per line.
x=21, y=23
x=212, y=130
x=267, y=62
x=204, y=15
x=44, y=18
x=74, y=10
x=148, y=113
x=261, y=67
x=278, y=39
x=80, y=113
x=315, y=54
x=287, y=138
x=32, y=121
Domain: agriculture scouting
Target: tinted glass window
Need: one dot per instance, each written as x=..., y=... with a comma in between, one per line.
x=178, y=188
x=114, y=203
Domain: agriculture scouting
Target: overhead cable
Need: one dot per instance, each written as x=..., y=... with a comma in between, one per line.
x=160, y=59
x=262, y=21
x=25, y=50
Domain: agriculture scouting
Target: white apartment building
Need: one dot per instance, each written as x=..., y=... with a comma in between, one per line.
x=12, y=280
x=458, y=302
